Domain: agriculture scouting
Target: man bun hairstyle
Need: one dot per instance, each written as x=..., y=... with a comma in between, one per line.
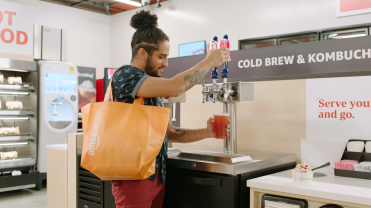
x=143, y=19
x=148, y=36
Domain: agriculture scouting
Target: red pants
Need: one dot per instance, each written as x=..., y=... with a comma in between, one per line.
x=139, y=194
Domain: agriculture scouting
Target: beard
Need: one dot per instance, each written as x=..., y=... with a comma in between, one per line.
x=151, y=69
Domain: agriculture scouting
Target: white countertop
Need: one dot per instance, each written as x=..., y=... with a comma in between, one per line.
x=62, y=147
x=332, y=187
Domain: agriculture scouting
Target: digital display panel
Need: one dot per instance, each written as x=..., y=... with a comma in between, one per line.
x=191, y=49
x=60, y=83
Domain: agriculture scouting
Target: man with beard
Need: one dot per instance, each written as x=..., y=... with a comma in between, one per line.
x=150, y=49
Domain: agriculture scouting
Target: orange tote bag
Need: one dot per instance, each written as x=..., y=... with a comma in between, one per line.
x=121, y=140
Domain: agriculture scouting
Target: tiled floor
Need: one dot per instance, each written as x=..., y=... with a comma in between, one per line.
x=28, y=198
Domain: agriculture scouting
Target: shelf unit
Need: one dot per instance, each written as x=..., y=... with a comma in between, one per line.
x=24, y=143
x=22, y=112
x=19, y=162
x=27, y=136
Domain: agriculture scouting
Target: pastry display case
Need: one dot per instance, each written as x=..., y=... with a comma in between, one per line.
x=18, y=124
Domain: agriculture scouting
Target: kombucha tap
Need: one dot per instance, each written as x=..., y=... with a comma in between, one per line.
x=225, y=73
x=214, y=73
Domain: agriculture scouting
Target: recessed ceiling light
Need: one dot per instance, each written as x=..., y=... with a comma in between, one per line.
x=130, y=2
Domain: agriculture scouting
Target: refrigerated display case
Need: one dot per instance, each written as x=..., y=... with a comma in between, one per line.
x=18, y=124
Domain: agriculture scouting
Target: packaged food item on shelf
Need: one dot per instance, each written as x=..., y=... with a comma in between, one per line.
x=14, y=105
x=14, y=80
x=16, y=173
x=4, y=131
x=2, y=103
x=8, y=155
x=2, y=155
x=15, y=153
x=1, y=78
x=9, y=130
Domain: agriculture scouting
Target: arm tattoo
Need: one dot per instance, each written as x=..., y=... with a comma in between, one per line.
x=180, y=132
x=192, y=80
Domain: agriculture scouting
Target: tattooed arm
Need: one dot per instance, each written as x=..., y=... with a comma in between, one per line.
x=159, y=87
x=180, y=135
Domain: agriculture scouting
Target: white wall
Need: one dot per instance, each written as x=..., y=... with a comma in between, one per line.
x=194, y=20
x=88, y=32
x=97, y=40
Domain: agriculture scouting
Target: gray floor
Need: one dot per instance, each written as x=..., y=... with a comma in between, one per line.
x=28, y=198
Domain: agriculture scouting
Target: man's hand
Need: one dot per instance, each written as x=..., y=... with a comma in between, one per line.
x=210, y=128
x=218, y=57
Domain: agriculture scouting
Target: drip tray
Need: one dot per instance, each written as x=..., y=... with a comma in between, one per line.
x=214, y=156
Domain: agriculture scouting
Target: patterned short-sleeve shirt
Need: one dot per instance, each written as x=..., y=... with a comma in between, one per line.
x=126, y=82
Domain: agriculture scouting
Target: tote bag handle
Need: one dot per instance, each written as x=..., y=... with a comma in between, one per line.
x=109, y=97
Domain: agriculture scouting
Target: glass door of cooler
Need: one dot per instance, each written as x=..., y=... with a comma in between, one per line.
x=249, y=44
x=298, y=39
x=343, y=34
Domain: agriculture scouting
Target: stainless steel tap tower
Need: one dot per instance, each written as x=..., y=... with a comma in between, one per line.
x=228, y=93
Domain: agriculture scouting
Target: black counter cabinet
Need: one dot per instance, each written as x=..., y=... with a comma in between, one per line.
x=198, y=189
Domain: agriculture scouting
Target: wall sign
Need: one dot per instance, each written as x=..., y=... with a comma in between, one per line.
x=87, y=85
x=352, y=7
x=16, y=28
x=305, y=60
x=338, y=108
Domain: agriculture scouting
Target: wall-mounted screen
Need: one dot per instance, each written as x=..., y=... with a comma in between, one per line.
x=60, y=83
x=191, y=49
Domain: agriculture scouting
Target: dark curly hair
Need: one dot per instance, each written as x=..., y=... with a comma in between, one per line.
x=148, y=35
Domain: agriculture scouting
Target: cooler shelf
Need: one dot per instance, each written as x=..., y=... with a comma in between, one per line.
x=13, y=118
x=23, y=136
x=23, y=112
x=19, y=162
x=23, y=87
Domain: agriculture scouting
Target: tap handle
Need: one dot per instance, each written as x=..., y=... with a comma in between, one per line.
x=214, y=73
x=225, y=72
x=203, y=97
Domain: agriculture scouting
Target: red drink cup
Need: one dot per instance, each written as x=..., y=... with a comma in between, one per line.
x=220, y=125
